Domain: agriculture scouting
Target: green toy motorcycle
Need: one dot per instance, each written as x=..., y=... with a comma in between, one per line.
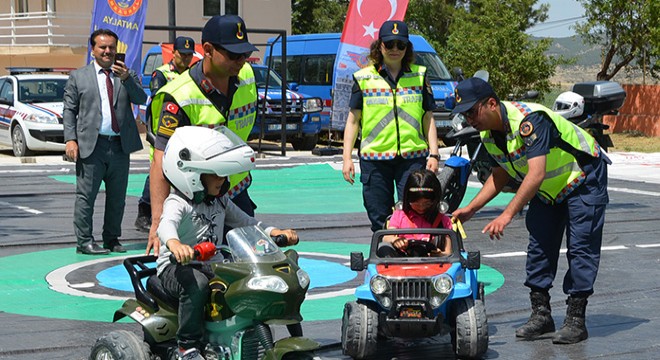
x=255, y=285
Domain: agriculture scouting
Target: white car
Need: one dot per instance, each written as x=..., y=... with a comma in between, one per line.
x=31, y=111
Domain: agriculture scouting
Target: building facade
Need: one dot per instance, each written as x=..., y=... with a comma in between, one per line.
x=54, y=33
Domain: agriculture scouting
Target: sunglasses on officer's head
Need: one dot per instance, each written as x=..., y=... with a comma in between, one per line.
x=389, y=45
x=232, y=55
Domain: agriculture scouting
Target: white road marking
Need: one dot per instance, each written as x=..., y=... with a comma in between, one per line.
x=633, y=191
x=562, y=251
x=24, y=171
x=644, y=246
x=23, y=208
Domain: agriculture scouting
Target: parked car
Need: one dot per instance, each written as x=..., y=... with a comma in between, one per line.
x=31, y=110
x=303, y=119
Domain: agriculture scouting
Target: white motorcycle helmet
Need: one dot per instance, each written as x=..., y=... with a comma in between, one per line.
x=194, y=150
x=569, y=105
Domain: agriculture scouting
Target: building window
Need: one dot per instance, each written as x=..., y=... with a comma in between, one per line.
x=220, y=7
x=44, y=5
x=21, y=6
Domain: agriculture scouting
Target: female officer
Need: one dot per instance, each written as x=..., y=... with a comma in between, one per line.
x=392, y=104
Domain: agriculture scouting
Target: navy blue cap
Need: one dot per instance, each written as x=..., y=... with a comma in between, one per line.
x=184, y=45
x=229, y=32
x=468, y=92
x=393, y=30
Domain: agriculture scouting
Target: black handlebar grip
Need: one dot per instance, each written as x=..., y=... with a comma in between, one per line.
x=173, y=258
x=281, y=240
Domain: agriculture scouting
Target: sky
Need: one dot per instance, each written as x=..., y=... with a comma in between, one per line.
x=556, y=25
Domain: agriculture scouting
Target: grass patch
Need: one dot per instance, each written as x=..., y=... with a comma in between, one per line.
x=635, y=141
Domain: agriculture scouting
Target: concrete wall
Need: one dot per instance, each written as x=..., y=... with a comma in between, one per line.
x=640, y=112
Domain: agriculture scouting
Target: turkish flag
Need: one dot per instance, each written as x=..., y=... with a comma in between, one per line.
x=365, y=17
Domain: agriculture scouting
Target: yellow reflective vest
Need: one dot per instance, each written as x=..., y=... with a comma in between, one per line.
x=392, y=118
x=562, y=171
x=202, y=112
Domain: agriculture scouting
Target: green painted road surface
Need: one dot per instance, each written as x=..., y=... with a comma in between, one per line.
x=312, y=189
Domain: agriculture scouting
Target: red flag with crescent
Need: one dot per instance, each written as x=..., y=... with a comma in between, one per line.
x=363, y=21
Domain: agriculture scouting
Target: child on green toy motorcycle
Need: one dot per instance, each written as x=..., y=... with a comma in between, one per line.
x=197, y=163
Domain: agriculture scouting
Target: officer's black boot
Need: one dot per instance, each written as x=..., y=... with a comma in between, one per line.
x=574, y=329
x=540, y=322
x=143, y=220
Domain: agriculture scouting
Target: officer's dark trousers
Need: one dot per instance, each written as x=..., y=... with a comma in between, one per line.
x=378, y=178
x=580, y=216
x=190, y=284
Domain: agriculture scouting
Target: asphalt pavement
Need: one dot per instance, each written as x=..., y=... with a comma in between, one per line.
x=54, y=306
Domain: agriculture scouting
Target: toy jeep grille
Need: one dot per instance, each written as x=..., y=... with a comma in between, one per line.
x=411, y=289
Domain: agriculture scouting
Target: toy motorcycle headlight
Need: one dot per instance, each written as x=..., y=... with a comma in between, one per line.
x=443, y=284
x=379, y=285
x=268, y=283
x=303, y=278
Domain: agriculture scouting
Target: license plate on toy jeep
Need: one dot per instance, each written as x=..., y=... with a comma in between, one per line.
x=410, y=313
x=273, y=127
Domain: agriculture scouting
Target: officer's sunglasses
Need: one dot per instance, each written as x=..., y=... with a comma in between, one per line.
x=389, y=45
x=232, y=55
x=475, y=109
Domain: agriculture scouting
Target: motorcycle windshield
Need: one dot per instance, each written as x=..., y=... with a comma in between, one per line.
x=251, y=244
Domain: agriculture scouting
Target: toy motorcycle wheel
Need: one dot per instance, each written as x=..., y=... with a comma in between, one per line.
x=359, y=330
x=120, y=344
x=469, y=333
x=450, y=180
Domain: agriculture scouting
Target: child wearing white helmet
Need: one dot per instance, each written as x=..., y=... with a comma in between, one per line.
x=197, y=163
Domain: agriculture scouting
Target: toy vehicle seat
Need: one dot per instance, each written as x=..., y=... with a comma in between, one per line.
x=156, y=289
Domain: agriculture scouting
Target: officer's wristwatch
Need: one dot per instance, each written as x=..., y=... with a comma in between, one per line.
x=434, y=156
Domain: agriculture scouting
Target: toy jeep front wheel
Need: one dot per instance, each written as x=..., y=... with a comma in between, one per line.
x=469, y=335
x=359, y=330
x=120, y=344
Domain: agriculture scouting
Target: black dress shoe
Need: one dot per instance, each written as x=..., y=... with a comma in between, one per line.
x=92, y=249
x=114, y=246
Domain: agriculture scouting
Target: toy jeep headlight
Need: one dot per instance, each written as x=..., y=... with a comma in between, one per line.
x=443, y=284
x=379, y=285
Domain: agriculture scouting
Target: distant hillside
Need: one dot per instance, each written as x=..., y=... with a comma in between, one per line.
x=574, y=47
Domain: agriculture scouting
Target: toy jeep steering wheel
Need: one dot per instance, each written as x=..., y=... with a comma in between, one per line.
x=419, y=248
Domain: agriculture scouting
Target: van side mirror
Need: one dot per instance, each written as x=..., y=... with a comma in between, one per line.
x=357, y=261
x=458, y=73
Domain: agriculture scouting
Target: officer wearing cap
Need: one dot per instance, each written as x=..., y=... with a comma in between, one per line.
x=563, y=176
x=182, y=55
x=219, y=90
x=392, y=107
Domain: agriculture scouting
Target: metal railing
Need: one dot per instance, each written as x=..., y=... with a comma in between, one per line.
x=44, y=28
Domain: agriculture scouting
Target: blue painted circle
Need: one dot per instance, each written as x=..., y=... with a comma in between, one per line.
x=322, y=273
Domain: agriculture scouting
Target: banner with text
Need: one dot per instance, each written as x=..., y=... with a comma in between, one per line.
x=363, y=21
x=125, y=18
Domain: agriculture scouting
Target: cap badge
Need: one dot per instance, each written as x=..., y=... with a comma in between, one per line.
x=395, y=30
x=239, y=33
x=187, y=45
x=458, y=97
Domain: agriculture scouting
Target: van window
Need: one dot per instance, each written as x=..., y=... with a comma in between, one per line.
x=308, y=70
x=152, y=62
x=318, y=70
x=435, y=69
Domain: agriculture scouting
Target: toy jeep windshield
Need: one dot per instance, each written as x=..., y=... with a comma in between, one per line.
x=421, y=293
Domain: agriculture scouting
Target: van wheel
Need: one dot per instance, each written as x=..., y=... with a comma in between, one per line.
x=120, y=344
x=305, y=143
x=18, y=142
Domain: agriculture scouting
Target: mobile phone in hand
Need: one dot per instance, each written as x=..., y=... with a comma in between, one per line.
x=120, y=57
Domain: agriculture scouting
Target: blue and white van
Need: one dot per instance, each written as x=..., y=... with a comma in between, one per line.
x=303, y=123
x=310, y=69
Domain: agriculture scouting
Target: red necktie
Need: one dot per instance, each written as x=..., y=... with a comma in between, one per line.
x=110, y=88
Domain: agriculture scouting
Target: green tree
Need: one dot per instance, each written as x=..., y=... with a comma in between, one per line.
x=489, y=34
x=626, y=30
x=318, y=16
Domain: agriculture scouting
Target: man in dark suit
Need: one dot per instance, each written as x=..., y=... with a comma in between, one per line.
x=100, y=133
